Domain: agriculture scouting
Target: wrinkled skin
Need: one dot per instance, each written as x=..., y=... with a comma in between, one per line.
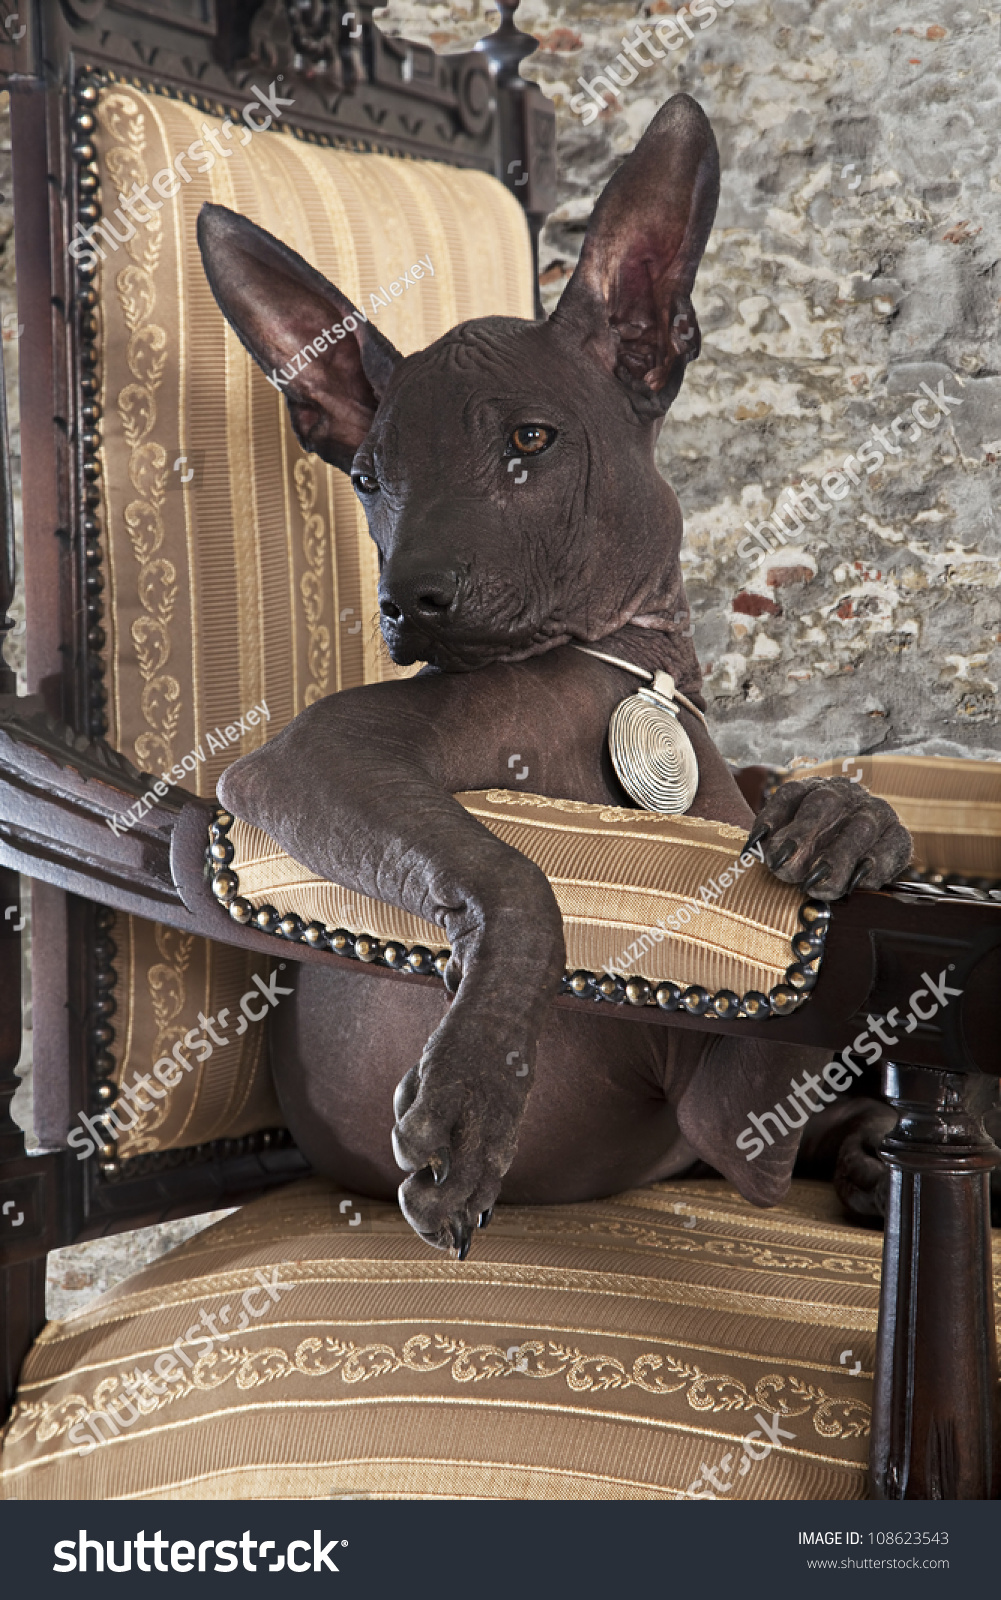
x=489, y=574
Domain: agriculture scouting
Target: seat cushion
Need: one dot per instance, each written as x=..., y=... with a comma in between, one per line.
x=236, y=569
x=618, y=1349
x=644, y=896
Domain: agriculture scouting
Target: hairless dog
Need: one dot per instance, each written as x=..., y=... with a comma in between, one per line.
x=491, y=578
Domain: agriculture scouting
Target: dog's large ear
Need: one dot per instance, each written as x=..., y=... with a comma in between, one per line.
x=629, y=298
x=277, y=304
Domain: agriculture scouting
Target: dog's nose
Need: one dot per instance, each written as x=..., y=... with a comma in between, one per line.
x=426, y=597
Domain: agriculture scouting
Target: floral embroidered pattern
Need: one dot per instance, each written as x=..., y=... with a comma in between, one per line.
x=660, y=1238
x=146, y=356
x=425, y=1353
x=314, y=546
x=167, y=995
x=541, y=802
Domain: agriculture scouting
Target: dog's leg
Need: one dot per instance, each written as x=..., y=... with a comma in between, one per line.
x=347, y=790
x=734, y=1078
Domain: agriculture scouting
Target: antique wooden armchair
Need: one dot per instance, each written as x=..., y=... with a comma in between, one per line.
x=935, y=1417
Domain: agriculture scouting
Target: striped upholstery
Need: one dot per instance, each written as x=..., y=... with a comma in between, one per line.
x=236, y=568
x=642, y=895
x=619, y=1349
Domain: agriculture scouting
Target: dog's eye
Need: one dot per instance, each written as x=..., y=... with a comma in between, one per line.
x=365, y=483
x=530, y=439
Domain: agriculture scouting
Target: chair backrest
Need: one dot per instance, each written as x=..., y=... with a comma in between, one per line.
x=239, y=577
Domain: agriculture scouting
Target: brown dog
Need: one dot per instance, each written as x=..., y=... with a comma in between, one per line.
x=489, y=580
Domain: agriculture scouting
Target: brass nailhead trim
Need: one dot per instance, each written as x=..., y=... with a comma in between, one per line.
x=800, y=977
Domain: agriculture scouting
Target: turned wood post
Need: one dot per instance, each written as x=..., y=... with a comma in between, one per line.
x=525, y=129
x=935, y=1405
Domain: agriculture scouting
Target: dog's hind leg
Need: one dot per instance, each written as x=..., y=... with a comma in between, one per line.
x=756, y=1093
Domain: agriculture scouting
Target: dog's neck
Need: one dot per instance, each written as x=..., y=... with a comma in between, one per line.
x=658, y=646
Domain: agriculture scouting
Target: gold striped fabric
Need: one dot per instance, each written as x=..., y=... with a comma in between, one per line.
x=165, y=979
x=951, y=807
x=618, y=1349
x=236, y=568
x=629, y=883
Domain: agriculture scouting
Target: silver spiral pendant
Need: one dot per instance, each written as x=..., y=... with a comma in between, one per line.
x=651, y=752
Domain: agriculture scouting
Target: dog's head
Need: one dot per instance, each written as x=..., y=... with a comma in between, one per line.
x=507, y=471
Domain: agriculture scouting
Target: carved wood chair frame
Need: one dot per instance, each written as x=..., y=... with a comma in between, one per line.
x=353, y=88
x=935, y=1433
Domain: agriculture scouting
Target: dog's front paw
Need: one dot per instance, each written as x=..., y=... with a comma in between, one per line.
x=831, y=836
x=457, y=1120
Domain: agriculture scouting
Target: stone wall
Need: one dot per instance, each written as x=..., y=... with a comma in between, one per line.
x=854, y=257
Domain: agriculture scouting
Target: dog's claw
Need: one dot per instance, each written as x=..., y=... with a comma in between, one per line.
x=485, y=1217
x=784, y=853
x=440, y=1164
x=830, y=836
x=460, y=1135
x=760, y=831
x=861, y=871
x=406, y=1093
x=818, y=875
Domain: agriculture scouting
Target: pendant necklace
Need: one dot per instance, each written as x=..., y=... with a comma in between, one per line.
x=652, y=754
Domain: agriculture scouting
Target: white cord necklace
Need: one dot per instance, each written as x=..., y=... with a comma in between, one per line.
x=651, y=752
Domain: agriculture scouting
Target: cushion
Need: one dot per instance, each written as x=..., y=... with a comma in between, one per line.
x=236, y=569
x=646, y=896
x=618, y=1349
x=951, y=806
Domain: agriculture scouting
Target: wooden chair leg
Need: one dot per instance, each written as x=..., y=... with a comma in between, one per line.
x=935, y=1412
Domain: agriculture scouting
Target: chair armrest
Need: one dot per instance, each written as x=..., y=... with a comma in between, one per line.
x=62, y=801
x=879, y=946
x=59, y=794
